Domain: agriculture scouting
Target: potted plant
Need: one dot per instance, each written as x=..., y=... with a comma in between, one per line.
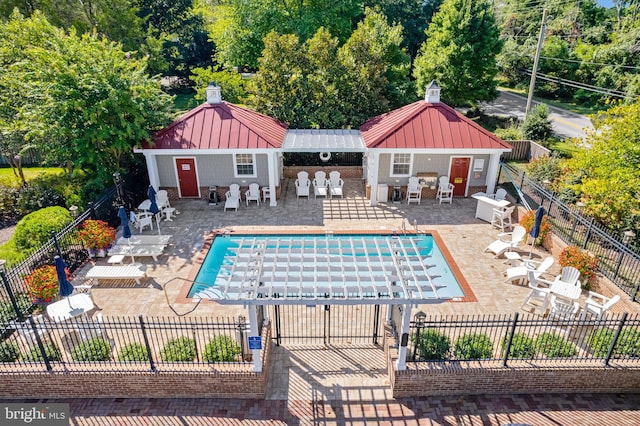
x=528, y=221
x=583, y=261
x=97, y=236
x=42, y=284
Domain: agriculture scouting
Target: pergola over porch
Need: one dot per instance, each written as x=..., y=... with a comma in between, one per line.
x=258, y=274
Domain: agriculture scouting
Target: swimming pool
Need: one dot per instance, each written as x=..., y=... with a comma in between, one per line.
x=330, y=261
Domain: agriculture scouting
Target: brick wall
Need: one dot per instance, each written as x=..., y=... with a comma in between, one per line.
x=491, y=378
x=197, y=381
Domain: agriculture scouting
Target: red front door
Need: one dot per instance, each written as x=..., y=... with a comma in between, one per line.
x=187, y=178
x=459, y=175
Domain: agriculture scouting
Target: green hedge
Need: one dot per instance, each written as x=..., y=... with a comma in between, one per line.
x=221, y=349
x=181, y=349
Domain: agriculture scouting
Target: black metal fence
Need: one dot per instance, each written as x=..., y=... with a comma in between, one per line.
x=123, y=344
x=525, y=338
x=14, y=299
x=618, y=255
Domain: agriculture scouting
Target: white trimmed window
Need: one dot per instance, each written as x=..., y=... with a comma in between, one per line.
x=401, y=164
x=244, y=165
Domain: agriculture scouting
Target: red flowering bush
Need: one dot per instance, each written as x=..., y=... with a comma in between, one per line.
x=583, y=261
x=42, y=284
x=96, y=234
x=529, y=219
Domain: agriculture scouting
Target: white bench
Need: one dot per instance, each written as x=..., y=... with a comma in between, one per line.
x=127, y=272
x=138, y=250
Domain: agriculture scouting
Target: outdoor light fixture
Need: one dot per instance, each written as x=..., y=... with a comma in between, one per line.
x=628, y=236
x=74, y=211
x=117, y=180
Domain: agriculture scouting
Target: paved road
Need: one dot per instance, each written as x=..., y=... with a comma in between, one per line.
x=566, y=124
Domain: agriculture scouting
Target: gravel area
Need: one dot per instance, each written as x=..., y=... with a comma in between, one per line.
x=6, y=233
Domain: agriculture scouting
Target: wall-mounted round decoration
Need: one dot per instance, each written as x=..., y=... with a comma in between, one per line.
x=325, y=156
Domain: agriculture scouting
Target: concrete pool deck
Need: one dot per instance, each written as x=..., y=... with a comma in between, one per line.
x=465, y=237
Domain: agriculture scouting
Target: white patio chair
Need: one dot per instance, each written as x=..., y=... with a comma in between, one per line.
x=320, y=184
x=414, y=190
x=500, y=194
x=597, y=305
x=162, y=199
x=302, y=185
x=231, y=201
x=507, y=241
x=519, y=273
x=502, y=217
x=252, y=194
x=570, y=275
x=538, y=297
x=142, y=220
x=335, y=184
x=564, y=311
x=445, y=190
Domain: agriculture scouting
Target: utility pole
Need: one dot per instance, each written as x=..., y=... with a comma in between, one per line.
x=532, y=84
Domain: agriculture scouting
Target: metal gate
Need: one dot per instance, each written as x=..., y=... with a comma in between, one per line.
x=327, y=324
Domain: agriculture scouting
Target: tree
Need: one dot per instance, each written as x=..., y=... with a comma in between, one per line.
x=608, y=174
x=230, y=82
x=317, y=84
x=377, y=69
x=460, y=52
x=83, y=99
x=536, y=125
x=238, y=27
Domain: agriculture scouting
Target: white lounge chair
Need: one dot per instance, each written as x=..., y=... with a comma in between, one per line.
x=302, y=185
x=138, y=240
x=127, y=272
x=519, y=273
x=335, y=184
x=597, y=305
x=320, y=184
x=507, y=241
x=147, y=250
x=414, y=190
x=252, y=194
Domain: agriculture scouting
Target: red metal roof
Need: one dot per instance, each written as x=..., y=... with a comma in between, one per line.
x=424, y=125
x=220, y=126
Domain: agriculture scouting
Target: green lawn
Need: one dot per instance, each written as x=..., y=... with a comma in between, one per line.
x=7, y=178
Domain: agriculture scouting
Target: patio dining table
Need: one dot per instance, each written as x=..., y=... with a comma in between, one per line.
x=566, y=290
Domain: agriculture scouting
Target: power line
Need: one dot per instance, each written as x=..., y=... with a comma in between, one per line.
x=590, y=63
x=578, y=85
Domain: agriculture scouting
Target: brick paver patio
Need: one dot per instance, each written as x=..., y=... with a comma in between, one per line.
x=312, y=388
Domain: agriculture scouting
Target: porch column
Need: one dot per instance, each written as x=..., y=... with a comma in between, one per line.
x=401, y=364
x=272, y=160
x=254, y=331
x=373, y=158
x=492, y=173
x=152, y=168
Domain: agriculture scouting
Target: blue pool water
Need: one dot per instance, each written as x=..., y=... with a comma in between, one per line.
x=337, y=251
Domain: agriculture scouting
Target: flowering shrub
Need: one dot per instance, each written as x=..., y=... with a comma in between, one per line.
x=43, y=284
x=97, y=234
x=529, y=219
x=585, y=262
